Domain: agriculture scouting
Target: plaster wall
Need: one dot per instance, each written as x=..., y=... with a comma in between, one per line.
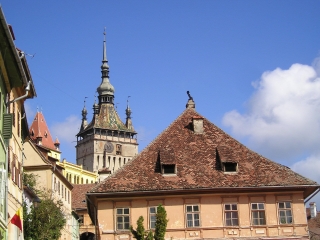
x=212, y=216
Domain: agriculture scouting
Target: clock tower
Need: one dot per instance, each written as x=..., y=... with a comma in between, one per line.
x=106, y=143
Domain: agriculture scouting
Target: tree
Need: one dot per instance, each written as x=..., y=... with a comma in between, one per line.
x=161, y=223
x=46, y=220
x=140, y=233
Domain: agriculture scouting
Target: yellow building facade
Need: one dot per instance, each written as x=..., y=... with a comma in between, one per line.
x=76, y=174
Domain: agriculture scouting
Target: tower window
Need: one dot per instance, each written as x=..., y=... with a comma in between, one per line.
x=118, y=149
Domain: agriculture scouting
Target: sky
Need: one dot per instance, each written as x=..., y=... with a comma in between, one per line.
x=252, y=67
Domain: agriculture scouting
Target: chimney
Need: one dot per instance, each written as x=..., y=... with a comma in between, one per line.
x=313, y=209
x=197, y=123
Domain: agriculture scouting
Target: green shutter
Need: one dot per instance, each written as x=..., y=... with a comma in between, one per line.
x=7, y=125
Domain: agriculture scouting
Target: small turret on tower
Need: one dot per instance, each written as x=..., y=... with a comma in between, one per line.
x=128, y=118
x=84, y=113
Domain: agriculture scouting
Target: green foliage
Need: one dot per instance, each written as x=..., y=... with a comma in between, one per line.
x=30, y=180
x=140, y=233
x=149, y=236
x=161, y=223
x=45, y=221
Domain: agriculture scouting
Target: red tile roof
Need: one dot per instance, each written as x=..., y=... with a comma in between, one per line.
x=78, y=194
x=198, y=159
x=39, y=128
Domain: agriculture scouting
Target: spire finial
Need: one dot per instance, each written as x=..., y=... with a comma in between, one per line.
x=104, y=48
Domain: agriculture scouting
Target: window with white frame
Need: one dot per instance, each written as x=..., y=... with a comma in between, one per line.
x=258, y=215
x=192, y=216
x=152, y=217
x=285, y=213
x=123, y=219
x=231, y=214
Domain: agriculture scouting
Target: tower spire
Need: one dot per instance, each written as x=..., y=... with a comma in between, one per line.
x=105, y=65
x=105, y=90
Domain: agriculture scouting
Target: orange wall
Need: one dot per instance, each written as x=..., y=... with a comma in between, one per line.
x=211, y=216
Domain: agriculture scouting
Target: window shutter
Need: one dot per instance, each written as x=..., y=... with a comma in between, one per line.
x=7, y=125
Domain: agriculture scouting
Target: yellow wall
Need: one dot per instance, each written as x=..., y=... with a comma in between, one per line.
x=76, y=174
x=212, y=222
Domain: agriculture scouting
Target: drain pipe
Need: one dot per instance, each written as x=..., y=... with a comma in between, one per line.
x=21, y=97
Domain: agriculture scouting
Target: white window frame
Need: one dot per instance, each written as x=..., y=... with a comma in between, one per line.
x=124, y=214
x=231, y=209
x=152, y=217
x=192, y=216
x=286, y=212
x=258, y=209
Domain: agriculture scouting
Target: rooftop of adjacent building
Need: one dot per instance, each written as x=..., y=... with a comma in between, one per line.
x=40, y=133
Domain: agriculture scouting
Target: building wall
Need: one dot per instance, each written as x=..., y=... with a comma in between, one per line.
x=76, y=174
x=93, y=154
x=212, y=216
x=16, y=158
x=49, y=178
x=3, y=152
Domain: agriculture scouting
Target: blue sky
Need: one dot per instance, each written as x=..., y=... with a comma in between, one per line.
x=252, y=68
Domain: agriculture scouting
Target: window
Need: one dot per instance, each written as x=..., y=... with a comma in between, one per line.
x=193, y=216
x=80, y=220
x=118, y=149
x=285, y=212
x=168, y=168
x=152, y=217
x=258, y=214
x=123, y=219
x=231, y=214
x=230, y=167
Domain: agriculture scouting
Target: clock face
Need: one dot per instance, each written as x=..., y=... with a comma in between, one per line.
x=108, y=147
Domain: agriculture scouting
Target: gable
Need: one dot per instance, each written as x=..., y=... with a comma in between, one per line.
x=198, y=159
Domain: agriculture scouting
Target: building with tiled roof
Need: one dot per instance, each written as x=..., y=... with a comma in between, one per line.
x=211, y=185
x=105, y=142
x=79, y=205
x=40, y=134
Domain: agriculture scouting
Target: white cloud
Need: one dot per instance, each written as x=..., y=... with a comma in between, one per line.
x=282, y=117
x=66, y=131
x=310, y=169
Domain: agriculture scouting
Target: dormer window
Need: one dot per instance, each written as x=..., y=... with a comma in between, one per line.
x=168, y=169
x=167, y=161
x=230, y=167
